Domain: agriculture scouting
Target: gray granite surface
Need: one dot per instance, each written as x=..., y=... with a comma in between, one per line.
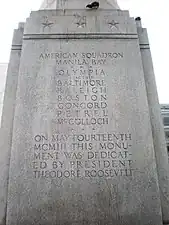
x=77, y=4
x=7, y=119
x=3, y=68
x=156, y=123
x=82, y=147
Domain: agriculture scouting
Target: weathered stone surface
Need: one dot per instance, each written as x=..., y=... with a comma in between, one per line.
x=156, y=123
x=77, y=4
x=82, y=149
x=7, y=119
x=3, y=68
x=71, y=22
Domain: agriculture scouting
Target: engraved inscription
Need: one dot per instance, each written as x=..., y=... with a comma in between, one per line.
x=84, y=58
x=81, y=155
x=80, y=146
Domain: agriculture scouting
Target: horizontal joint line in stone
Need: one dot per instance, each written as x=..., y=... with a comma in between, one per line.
x=84, y=34
x=81, y=36
x=144, y=44
x=16, y=45
x=16, y=49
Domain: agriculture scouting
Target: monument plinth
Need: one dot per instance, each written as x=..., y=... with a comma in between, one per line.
x=82, y=146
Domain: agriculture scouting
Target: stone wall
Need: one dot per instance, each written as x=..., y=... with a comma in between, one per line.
x=3, y=69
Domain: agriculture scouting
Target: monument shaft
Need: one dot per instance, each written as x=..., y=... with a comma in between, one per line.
x=82, y=146
x=8, y=117
x=157, y=124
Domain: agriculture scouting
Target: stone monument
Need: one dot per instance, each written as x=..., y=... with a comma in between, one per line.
x=82, y=141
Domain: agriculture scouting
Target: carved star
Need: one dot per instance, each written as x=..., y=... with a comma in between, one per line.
x=81, y=21
x=113, y=24
x=81, y=24
x=47, y=24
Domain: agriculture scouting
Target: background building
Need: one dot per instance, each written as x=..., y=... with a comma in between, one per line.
x=165, y=116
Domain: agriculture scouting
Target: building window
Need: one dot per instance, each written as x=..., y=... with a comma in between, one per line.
x=166, y=121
